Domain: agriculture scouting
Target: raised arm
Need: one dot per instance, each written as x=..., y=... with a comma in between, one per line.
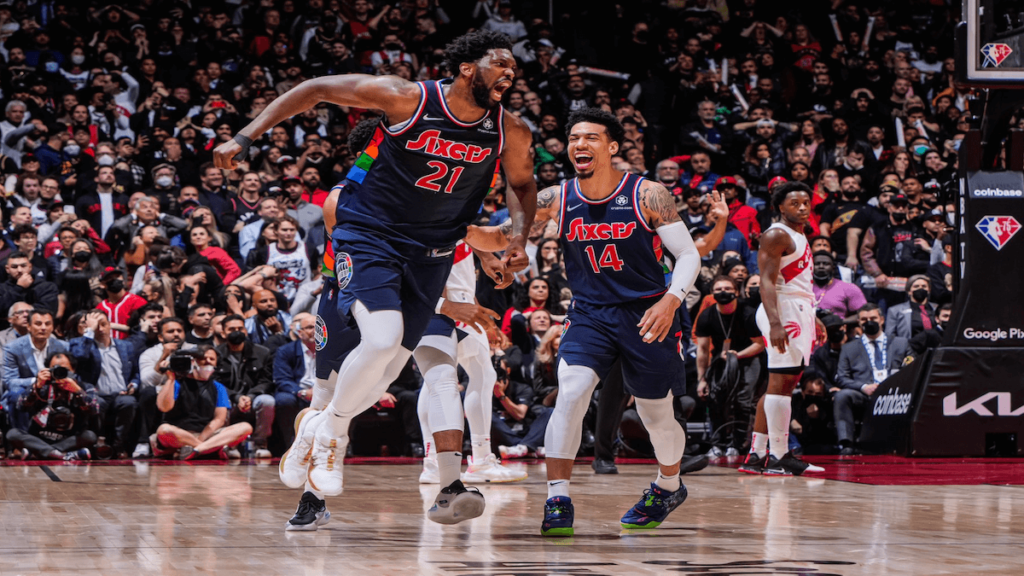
x=396, y=97
x=519, y=173
x=774, y=244
x=496, y=238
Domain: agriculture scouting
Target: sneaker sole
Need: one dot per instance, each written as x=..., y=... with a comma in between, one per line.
x=647, y=526
x=462, y=509
x=311, y=527
x=556, y=532
x=750, y=471
x=778, y=473
x=467, y=477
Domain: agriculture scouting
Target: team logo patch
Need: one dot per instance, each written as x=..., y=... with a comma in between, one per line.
x=995, y=54
x=998, y=229
x=792, y=329
x=488, y=124
x=565, y=328
x=320, y=333
x=343, y=269
x=621, y=200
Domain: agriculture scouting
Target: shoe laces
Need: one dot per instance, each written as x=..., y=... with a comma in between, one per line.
x=557, y=510
x=651, y=498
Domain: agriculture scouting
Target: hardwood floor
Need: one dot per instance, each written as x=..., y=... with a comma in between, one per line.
x=229, y=519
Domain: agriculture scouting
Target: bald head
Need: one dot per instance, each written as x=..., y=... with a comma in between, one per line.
x=265, y=302
x=668, y=172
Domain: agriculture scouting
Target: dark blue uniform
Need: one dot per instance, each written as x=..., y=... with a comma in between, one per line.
x=613, y=264
x=409, y=198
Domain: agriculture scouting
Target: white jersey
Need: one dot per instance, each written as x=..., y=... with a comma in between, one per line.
x=795, y=270
x=461, y=284
x=292, y=268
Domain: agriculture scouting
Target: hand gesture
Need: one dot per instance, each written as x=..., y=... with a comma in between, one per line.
x=473, y=315
x=92, y=320
x=244, y=404
x=497, y=271
x=516, y=258
x=657, y=320
x=26, y=280
x=274, y=325
x=719, y=207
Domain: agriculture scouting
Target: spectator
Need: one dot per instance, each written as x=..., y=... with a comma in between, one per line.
x=144, y=325
x=813, y=411
x=225, y=266
x=268, y=211
x=741, y=216
x=295, y=375
x=707, y=134
x=146, y=213
x=893, y=250
x=863, y=364
x=153, y=362
x=17, y=318
x=700, y=177
x=23, y=286
x=288, y=256
x=195, y=411
x=503, y=20
x=832, y=294
x=517, y=422
x=107, y=364
x=825, y=359
x=119, y=304
x=26, y=356
x=308, y=215
x=931, y=339
x=917, y=315
x=200, y=318
x=269, y=324
x=104, y=205
x=58, y=410
x=245, y=369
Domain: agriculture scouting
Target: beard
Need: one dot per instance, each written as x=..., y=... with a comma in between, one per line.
x=482, y=92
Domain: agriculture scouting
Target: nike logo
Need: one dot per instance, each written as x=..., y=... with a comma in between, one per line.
x=571, y=208
x=556, y=482
x=429, y=117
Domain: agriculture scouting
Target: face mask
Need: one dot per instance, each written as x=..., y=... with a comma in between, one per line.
x=164, y=181
x=392, y=46
x=871, y=327
x=821, y=276
x=203, y=373
x=52, y=67
x=724, y=298
x=236, y=338
x=754, y=293
x=942, y=325
x=77, y=59
x=899, y=217
x=836, y=336
x=105, y=160
x=921, y=149
x=115, y=286
x=920, y=295
x=81, y=256
x=72, y=149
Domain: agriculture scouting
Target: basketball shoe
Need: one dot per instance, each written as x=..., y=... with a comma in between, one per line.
x=310, y=515
x=654, y=506
x=754, y=464
x=558, y=516
x=456, y=503
x=325, y=463
x=490, y=470
x=295, y=461
x=788, y=465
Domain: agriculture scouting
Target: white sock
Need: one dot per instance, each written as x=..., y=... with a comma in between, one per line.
x=759, y=444
x=558, y=488
x=449, y=467
x=670, y=483
x=778, y=409
x=481, y=446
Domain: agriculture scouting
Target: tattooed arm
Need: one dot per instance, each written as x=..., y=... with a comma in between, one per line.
x=495, y=238
x=657, y=205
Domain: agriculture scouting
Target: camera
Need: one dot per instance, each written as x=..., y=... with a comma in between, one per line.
x=180, y=363
x=59, y=372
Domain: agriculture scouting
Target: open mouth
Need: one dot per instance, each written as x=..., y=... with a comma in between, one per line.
x=583, y=160
x=501, y=86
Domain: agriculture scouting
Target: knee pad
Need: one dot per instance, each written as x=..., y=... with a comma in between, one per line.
x=666, y=435
x=380, y=332
x=565, y=429
x=445, y=405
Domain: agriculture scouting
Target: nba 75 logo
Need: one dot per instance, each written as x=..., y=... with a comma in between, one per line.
x=995, y=54
x=998, y=229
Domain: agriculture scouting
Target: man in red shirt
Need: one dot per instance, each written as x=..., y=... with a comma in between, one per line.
x=740, y=215
x=118, y=304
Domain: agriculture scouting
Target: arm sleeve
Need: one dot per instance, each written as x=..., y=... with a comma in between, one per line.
x=676, y=238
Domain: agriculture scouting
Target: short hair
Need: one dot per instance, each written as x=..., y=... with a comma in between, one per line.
x=71, y=359
x=22, y=229
x=232, y=318
x=40, y=312
x=787, y=188
x=471, y=47
x=944, y=307
x=868, y=307
x=723, y=278
x=137, y=315
x=196, y=307
x=10, y=311
x=288, y=218
x=915, y=278
x=17, y=254
x=824, y=253
x=169, y=320
x=597, y=116
x=14, y=103
x=825, y=238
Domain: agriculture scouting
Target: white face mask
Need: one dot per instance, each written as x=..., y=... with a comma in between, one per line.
x=77, y=59
x=105, y=160
x=164, y=181
x=203, y=373
x=72, y=149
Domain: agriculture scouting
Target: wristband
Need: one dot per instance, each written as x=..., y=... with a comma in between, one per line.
x=440, y=303
x=245, y=142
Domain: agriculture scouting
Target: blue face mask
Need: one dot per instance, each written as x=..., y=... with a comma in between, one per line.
x=52, y=67
x=921, y=149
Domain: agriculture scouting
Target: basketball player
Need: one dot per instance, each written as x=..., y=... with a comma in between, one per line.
x=443, y=348
x=612, y=227
x=786, y=316
x=408, y=200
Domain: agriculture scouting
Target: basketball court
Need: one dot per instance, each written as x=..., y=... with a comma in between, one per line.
x=872, y=516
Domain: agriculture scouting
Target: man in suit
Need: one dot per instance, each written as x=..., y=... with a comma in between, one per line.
x=910, y=318
x=26, y=356
x=109, y=365
x=863, y=363
x=294, y=366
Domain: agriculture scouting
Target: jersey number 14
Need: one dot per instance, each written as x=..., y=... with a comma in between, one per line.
x=441, y=170
x=609, y=258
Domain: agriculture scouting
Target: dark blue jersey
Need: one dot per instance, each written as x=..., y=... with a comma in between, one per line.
x=423, y=181
x=611, y=254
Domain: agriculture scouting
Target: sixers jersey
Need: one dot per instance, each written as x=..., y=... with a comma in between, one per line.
x=795, y=270
x=424, y=180
x=611, y=255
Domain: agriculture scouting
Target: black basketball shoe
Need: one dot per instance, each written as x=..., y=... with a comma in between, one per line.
x=754, y=464
x=310, y=515
x=788, y=465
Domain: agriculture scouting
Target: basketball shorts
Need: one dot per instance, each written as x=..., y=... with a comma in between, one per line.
x=797, y=315
x=383, y=275
x=439, y=335
x=596, y=336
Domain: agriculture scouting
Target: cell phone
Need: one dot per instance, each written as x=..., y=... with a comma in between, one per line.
x=218, y=104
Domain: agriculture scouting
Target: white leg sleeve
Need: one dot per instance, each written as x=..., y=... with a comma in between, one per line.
x=576, y=385
x=440, y=377
x=364, y=368
x=323, y=391
x=423, y=413
x=475, y=358
x=667, y=436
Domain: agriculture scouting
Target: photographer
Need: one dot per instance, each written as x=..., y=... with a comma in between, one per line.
x=195, y=409
x=517, y=422
x=59, y=411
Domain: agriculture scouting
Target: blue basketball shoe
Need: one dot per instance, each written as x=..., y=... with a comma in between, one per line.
x=654, y=506
x=558, y=517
